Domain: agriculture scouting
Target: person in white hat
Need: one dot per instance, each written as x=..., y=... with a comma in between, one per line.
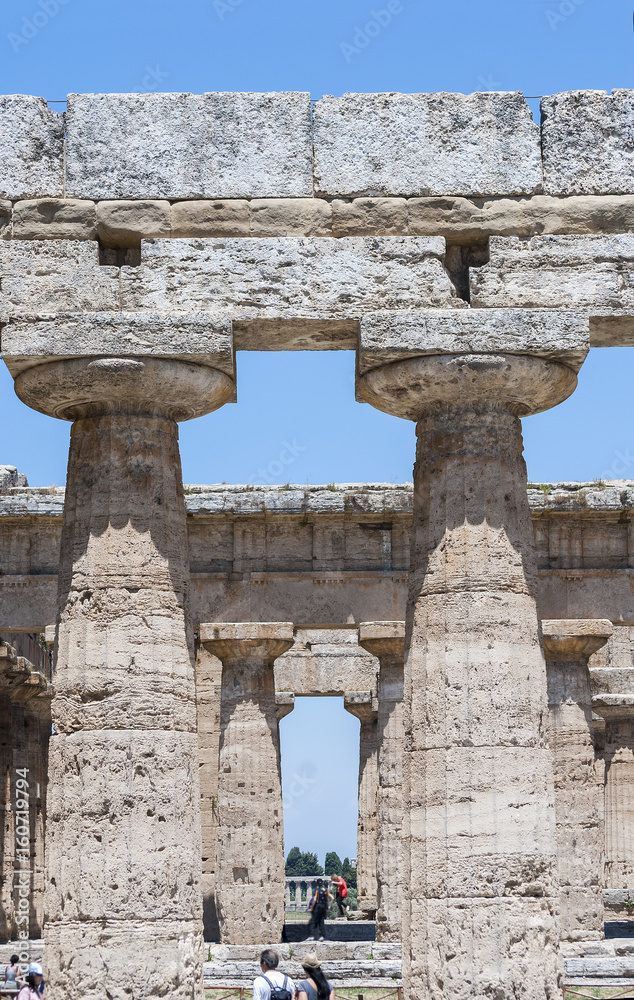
x=34, y=979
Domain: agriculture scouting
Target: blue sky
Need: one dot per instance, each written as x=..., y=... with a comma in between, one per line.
x=53, y=47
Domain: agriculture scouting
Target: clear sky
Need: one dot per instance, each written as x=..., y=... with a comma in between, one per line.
x=54, y=47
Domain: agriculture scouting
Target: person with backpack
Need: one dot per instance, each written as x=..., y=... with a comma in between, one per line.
x=272, y=984
x=342, y=893
x=318, y=908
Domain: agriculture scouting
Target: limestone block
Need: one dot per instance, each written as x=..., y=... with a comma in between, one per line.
x=591, y=273
x=5, y=220
x=55, y=219
x=559, y=335
x=291, y=217
x=426, y=144
x=55, y=276
x=126, y=223
x=588, y=142
x=371, y=217
x=327, y=284
x=206, y=218
x=200, y=338
x=218, y=145
x=31, y=148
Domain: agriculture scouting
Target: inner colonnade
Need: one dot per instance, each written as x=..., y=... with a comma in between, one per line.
x=470, y=257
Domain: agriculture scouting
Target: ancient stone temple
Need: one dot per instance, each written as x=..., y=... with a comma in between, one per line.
x=480, y=628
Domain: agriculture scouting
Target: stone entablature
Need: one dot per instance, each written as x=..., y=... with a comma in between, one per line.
x=330, y=555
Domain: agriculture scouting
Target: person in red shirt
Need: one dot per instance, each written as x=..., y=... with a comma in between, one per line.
x=342, y=893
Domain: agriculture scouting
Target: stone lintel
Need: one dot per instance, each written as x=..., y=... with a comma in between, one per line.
x=613, y=707
x=284, y=704
x=362, y=704
x=557, y=335
x=574, y=639
x=198, y=338
x=49, y=636
x=385, y=640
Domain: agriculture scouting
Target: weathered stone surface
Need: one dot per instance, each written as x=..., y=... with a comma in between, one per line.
x=206, y=218
x=5, y=220
x=372, y=217
x=588, y=142
x=327, y=284
x=201, y=338
x=386, y=640
x=55, y=219
x=591, y=273
x=426, y=144
x=217, y=145
x=559, y=335
x=54, y=276
x=568, y=644
x=250, y=887
x=291, y=217
x=208, y=691
x=126, y=223
x=364, y=706
x=31, y=148
x=325, y=662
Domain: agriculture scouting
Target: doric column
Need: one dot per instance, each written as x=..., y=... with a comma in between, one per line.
x=386, y=640
x=480, y=855
x=363, y=705
x=568, y=646
x=123, y=823
x=618, y=712
x=208, y=684
x=250, y=878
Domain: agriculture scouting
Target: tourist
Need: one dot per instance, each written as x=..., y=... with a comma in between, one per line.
x=12, y=973
x=315, y=986
x=272, y=984
x=342, y=893
x=32, y=990
x=318, y=908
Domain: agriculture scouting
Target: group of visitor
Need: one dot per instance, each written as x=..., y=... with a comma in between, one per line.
x=321, y=902
x=28, y=986
x=275, y=985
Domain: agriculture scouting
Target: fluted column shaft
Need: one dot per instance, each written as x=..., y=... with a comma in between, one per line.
x=619, y=791
x=386, y=641
x=480, y=859
x=250, y=877
x=567, y=647
x=364, y=707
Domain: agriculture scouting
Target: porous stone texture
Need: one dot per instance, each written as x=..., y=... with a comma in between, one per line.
x=480, y=856
x=568, y=645
x=55, y=219
x=217, y=145
x=9, y=476
x=290, y=217
x=31, y=148
x=364, y=706
x=591, y=273
x=52, y=276
x=126, y=223
x=588, y=142
x=386, y=640
x=5, y=220
x=208, y=692
x=250, y=887
x=371, y=217
x=558, y=335
x=209, y=218
x=426, y=144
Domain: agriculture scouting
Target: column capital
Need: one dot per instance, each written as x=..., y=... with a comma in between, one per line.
x=385, y=640
x=362, y=704
x=521, y=360
x=260, y=641
x=284, y=704
x=574, y=639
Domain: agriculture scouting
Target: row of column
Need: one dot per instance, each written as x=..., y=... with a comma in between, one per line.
x=479, y=849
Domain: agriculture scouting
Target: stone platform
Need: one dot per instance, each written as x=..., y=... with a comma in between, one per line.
x=336, y=930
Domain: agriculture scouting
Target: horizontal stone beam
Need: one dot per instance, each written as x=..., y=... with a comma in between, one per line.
x=557, y=335
x=31, y=148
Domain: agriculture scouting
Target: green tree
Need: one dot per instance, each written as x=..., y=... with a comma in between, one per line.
x=349, y=873
x=302, y=864
x=332, y=865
